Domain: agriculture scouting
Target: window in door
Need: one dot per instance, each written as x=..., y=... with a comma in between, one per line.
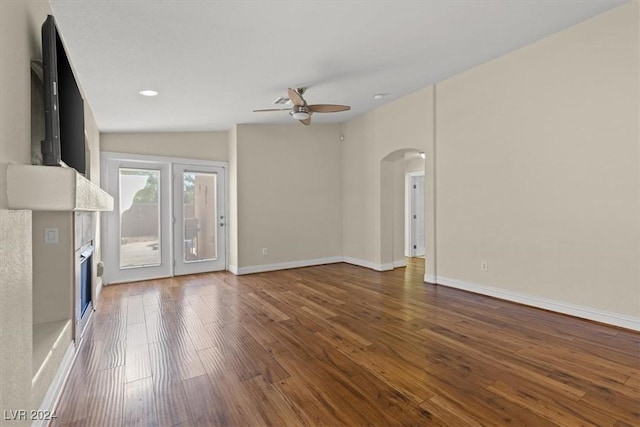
x=139, y=202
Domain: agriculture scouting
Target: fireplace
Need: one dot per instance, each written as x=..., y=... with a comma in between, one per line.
x=86, y=254
x=84, y=249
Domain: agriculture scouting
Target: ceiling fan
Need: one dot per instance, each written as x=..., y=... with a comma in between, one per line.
x=302, y=111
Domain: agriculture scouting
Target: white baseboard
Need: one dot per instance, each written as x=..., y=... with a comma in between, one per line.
x=359, y=262
x=369, y=264
x=284, y=265
x=311, y=262
x=430, y=279
x=384, y=267
x=615, y=319
x=53, y=392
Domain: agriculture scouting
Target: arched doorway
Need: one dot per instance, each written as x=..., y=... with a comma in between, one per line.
x=392, y=235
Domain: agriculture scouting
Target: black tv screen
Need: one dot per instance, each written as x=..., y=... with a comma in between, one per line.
x=64, y=141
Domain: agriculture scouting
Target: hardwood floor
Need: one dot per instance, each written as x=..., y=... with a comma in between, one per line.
x=340, y=345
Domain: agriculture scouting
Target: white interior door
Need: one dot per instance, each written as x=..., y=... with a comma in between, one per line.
x=417, y=215
x=200, y=219
x=137, y=234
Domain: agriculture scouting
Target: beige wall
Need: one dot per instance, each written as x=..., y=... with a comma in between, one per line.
x=358, y=191
x=232, y=216
x=537, y=168
x=373, y=193
x=188, y=145
x=398, y=212
x=53, y=268
x=289, y=199
x=20, y=23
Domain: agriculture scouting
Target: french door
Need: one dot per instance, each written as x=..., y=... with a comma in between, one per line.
x=199, y=243
x=169, y=218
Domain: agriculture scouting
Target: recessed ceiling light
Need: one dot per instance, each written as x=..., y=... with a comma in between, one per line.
x=148, y=92
x=378, y=96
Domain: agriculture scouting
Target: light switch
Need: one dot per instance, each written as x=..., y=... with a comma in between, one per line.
x=51, y=235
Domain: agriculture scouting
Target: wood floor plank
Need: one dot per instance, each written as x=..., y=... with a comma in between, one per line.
x=257, y=331
x=196, y=330
x=621, y=407
x=553, y=408
x=236, y=364
x=171, y=401
x=202, y=310
x=75, y=399
x=273, y=407
x=139, y=404
x=106, y=401
x=113, y=354
x=341, y=345
x=265, y=307
x=135, y=310
x=316, y=401
x=206, y=403
x=185, y=356
x=402, y=380
x=397, y=406
x=162, y=325
x=294, y=300
x=137, y=364
x=513, y=364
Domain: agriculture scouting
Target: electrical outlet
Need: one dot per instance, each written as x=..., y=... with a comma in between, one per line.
x=51, y=235
x=484, y=266
x=265, y=252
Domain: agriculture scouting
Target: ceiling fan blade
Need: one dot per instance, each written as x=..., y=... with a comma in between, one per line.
x=272, y=109
x=306, y=122
x=328, y=108
x=295, y=97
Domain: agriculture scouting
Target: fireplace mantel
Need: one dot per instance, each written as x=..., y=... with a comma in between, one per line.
x=49, y=188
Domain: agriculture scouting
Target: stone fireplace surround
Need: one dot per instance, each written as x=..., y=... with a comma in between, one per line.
x=57, y=198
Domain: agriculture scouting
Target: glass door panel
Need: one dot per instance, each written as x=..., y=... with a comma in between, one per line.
x=139, y=218
x=199, y=232
x=137, y=235
x=199, y=216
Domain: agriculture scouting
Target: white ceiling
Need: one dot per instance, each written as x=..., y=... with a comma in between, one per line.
x=213, y=62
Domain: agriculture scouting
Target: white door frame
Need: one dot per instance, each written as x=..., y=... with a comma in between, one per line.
x=180, y=266
x=408, y=203
x=109, y=156
x=113, y=273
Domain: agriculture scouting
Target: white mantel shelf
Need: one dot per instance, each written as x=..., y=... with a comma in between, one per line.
x=51, y=188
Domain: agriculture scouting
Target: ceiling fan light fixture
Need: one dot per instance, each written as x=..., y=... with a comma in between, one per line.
x=300, y=110
x=300, y=115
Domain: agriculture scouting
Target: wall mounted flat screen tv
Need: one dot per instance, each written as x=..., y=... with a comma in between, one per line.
x=64, y=142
